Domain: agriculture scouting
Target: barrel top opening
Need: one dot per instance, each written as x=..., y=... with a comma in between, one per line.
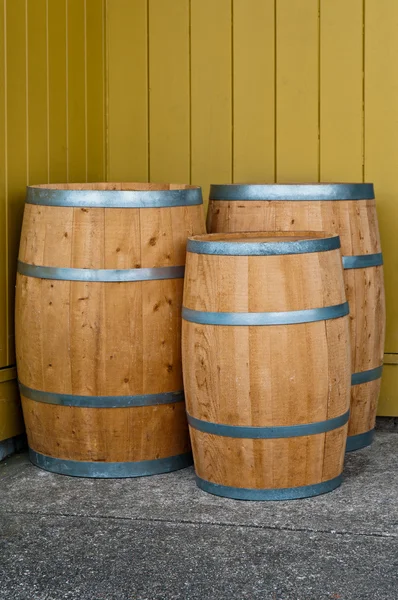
x=114, y=195
x=263, y=243
x=292, y=191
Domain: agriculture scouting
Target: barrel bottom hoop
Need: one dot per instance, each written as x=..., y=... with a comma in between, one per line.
x=366, y=376
x=110, y=470
x=277, y=432
x=356, y=442
x=305, y=491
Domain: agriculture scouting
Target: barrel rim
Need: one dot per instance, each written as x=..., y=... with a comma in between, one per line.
x=87, y=198
x=312, y=242
x=292, y=191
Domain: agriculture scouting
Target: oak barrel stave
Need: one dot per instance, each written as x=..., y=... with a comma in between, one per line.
x=105, y=351
x=265, y=376
x=350, y=211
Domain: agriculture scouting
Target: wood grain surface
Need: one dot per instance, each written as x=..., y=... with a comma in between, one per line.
x=100, y=338
x=356, y=223
x=277, y=375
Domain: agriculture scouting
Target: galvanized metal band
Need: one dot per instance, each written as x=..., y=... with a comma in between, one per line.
x=100, y=401
x=356, y=442
x=8, y=374
x=110, y=470
x=232, y=248
x=295, y=192
x=280, y=431
x=366, y=376
x=361, y=261
x=291, y=317
x=107, y=275
x=114, y=198
x=305, y=491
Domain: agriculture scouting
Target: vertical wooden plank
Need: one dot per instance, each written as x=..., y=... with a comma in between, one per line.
x=17, y=166
x=95, y=71
x=211, y=93
x=76, y=54
x=381, y=158
x=57, y=90
x=341, y=90
x=297, y=90
x=254, y=91
x=169, y=109
x=3, y=190
x=37, y=92
x=126, y=33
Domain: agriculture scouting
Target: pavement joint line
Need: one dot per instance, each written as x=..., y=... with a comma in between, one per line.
x=203, y=523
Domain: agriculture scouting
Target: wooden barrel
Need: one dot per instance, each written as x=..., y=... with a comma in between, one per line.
x=98, y=311
x=350, y=211
x=266, y=362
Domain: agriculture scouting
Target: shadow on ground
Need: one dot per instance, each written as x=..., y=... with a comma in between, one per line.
x=161, y=537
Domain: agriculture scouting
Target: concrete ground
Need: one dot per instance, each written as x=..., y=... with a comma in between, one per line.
x=161, y=537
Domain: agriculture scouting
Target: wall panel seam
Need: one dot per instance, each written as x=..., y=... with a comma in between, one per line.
x=7, y=257
x=27, y=89
x=48, y=94
x=363, y=90
x=105, y=94
x=275, y=94
x=67, y=86
x=232, y=97
x=85, y=87
x=319, y=89
x=148, y=92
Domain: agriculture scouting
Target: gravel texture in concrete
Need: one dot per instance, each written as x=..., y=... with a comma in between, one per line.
x=161, y=537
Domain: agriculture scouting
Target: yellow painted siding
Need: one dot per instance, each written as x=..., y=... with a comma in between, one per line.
x=200, y=91
x=76, y=90
x=10, y=411
x=260, y=90
x=57, y=90
x=16, y=144
x=3, y=196
x=95, y=89
x=37, y=99
x=341, y=91
x=254, y=91
x=169, y=105
x=127, y=89
x=211, y=92
x=51, y=128
x=297, y=90
x=381, y=159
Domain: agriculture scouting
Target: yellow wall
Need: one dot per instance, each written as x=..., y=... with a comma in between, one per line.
x=201, y=91
x=212, y=91
x=51, y=128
